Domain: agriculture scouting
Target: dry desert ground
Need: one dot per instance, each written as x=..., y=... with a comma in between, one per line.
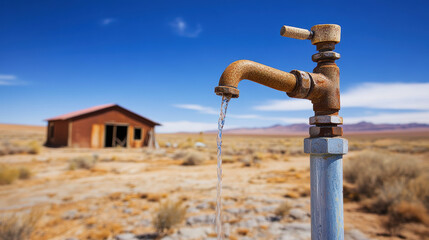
x=169, y=193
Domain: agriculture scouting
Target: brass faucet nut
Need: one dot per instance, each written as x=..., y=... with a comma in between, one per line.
x=325, y=131
x=227, y=91
x=326, y=33
x=328, y=55
x=326, y=119
x=304, y=83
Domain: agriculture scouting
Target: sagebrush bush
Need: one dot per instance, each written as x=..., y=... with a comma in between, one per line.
x=395, y=185
x=24, y=173
x=8, y=175
x=7, y=148
x=193, y=158
x=168, y=214
x=83, y=162
x=18, y=226
x=419, y=187
x=404, y=212
x=179, y=155
x=371, y=170
x=34, y=147
x=283, y=209
x=386, y=196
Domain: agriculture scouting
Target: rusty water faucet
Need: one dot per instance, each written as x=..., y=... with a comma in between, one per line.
x=321, y=86
x=325, y=146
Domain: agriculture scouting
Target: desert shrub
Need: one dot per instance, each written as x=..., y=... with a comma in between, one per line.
x=168, y=215
x=277, y=149
x=7, y=148
x=386, y=196
x=246, y=162
x=34, y=147
x=419, y=187
x=228, y=159
x=295, y=150
x=179, y=155
x=371, y=170
x=193, y=158
x=395, y=185
x=404, y=212
x=283, y=209
x=83, y=162
x=189, y=143
x=8, y=175
x=18, y=226
x=24, y=173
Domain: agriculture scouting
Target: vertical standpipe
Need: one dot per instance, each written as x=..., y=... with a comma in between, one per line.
x=326, y=169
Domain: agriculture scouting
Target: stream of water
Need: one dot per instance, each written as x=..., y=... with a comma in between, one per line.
x=221, y=122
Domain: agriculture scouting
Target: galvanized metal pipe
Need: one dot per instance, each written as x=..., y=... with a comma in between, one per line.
x=326, y=169
x=327, y=220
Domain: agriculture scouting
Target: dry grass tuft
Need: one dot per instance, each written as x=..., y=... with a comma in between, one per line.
x=18, y=226
x=8, y=175
x=194, y=158
x=419, y=188
x=395, y=185
x=24, y=173
x=104, y=231
x=32, y=147
x=168, y=215
x=404, y=212
x=283, y=209
x=371, y=170
x=83, y=162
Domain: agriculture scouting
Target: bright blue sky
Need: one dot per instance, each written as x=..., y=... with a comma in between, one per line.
x=162, y=59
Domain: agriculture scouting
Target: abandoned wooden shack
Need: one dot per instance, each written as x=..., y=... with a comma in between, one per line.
x=107, y=125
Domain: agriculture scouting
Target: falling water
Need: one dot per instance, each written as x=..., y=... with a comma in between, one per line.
x=221, y=122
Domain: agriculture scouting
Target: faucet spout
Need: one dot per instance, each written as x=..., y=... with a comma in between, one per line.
x=256, y=72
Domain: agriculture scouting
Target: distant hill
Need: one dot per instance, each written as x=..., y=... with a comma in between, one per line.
x=299, y=129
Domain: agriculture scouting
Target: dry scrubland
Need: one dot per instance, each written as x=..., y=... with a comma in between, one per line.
x=168, y=193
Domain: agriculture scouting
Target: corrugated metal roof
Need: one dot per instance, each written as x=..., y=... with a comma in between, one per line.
x=82, y=112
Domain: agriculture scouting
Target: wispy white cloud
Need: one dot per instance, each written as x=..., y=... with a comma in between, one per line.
x=9, y=80
x=199, y=108
x=188, y=126
x=406, y=96
x=285, y=105
x=181, y=28
x=212, y=111
x=107, y=21
x=409, y=117
x=412, y=96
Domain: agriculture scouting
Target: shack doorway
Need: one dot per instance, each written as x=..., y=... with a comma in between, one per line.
x=115, y=135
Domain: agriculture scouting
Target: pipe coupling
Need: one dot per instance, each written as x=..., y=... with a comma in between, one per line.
x=304, y=84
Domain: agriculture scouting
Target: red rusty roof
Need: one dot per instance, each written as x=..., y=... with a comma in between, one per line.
x=82, y=112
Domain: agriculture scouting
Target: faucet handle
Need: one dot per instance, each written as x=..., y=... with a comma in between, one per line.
x=297, y=33
x=318, y=34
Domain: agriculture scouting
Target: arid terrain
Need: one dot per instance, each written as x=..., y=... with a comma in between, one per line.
x=72, y=193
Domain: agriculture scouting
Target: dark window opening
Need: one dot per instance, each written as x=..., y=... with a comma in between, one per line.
x=137, y=133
